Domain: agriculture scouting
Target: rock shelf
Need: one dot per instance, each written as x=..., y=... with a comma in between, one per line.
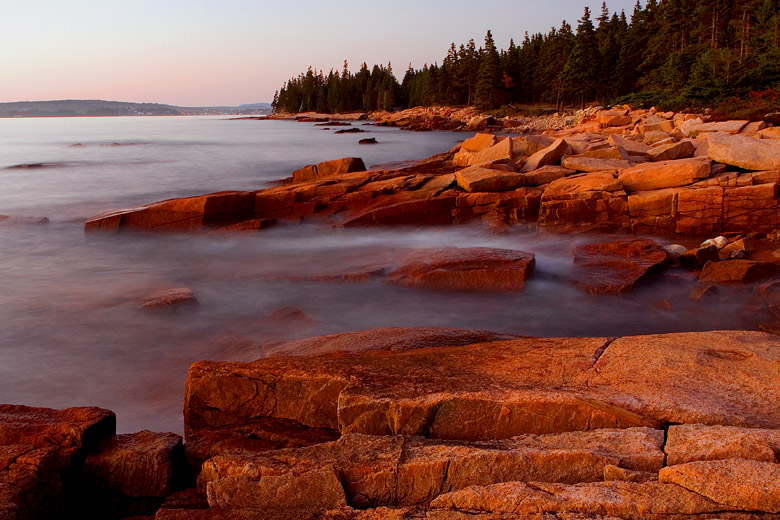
x=429, y=424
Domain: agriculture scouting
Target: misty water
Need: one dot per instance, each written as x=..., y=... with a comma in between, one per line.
x=70, y=332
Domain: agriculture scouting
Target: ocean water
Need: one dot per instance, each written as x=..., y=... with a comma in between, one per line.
x=70, y=332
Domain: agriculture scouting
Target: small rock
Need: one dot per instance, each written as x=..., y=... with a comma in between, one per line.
x=719, y=242
x=738, y=271
x=368, y=140
x=696, y=258
x=172, y=298
x=349, y=131
x=705, y=292
x=675, y=250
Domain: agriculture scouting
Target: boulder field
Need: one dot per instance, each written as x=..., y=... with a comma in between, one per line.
x=429, y=424
x=656, y=174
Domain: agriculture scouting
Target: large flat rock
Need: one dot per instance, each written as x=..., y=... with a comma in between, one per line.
x=664, y=174
x=369, y=471
x=502, y=389
x=744, y=152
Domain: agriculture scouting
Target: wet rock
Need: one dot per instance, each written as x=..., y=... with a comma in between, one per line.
x=664, y=174
x=675, y=250
x=615, y=267
x=329, y=169
x=719, y=242
x=406, y=211
x=349, y=131
x=744, y=152
x=248, y=226
x=169, y=299
x=547, y=156
x=291, y=316
x=698, y=257
x=186, y=214
x=469, y=269
x=704, y=292
x=368, y=140
x=693, y=442
x=738, y=271
x=30, y=483
x=132, y=473
x=477, y=179
x=403, y=471
x=743, y=484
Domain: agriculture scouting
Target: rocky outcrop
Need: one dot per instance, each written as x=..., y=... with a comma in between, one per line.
x=474, y=269
x=329, y=168
x=615, y=267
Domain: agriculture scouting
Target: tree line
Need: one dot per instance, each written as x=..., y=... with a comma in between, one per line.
x=671, y=53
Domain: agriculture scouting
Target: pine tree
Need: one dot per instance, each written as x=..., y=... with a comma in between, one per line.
x=488, y=87
x=580, y=73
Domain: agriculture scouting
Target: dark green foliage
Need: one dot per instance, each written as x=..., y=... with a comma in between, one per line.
x=670, y=53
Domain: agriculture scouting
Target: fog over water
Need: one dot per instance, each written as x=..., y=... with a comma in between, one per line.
x=71, y=334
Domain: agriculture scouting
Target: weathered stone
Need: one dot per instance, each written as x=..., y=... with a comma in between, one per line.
x=614, y=118
x=639, y=501
x=550, y=155
x=738, y=271
x=140, y=464
x=751, y=208
x=711, y=378
x=694, y=442
x=502, y=150
x=473, y=269
x=672, y=151
x=724, y=127
x=615, y=267
x=632, y=147
x=664, y=174
x=329, y=169
x=186, y=214
x=30, y=483
x=169, y=299
x=406, y=211
x=575, y=185
x=531, y=144
x=698, y=257
x=589, y=164
x=744, y=152
x=700, y=211
x=397, y=471
x=615, y=473
x=480, y=179
x=546, y=174
x=70, y=429
x=593, y=199
x=743, y=484
x=653, y=211
x=704, y=292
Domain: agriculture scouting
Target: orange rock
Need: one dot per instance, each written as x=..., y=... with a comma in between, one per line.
x=31, y=483
x=751, y=208
x=547, y=156
x=730, y=378
x=546, y=174
x=406, y=211
x=329, y=169
x=672, y=151
x=624, y=500
x=590, y=164
x=615, y=267
x=169, y=299
x=574, y=185
x=653, y=211
x=404, y=471
x=472, y=269
x=593, y=200
x=187, y=214
x=664, y=174
x=738, y=271
x=743, y=484
x=700, y=211
x=694, y=442
x=744, y=152
x=476, y=178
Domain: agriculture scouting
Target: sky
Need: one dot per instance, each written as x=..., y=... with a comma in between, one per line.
x=230, y=52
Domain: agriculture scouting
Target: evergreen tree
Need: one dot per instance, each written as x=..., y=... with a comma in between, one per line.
x=580, y=73
x=488, y=87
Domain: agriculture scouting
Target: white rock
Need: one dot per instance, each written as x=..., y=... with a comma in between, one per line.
x=719, y=242
x=675, y=250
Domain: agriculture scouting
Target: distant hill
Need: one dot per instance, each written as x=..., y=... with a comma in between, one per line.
x=93, y=107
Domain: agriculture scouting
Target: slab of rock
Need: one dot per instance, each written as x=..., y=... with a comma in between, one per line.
x=185, y=214
x=405, y=210
x=546, y=174
x=623, y=500
x=700, y=211
x=724, y=127
x=478, y=179
x=631, y=147
x=742, y=484
x=738, y=271
x=547, y=156
x=30, y=483
x=590, y=164
x=530, y=144
x=403, y=471
x=751, y=208
x=169, y=299
x=694, y=442
x=664, y=174
x=672, y=151
x=329, y=168
x=575, y=185
x=502, y=150
x=653, y=211
x=615, y=267
x=730, y=378
x=744, y=152
x=133, y=473
x=70, y=430
x=469, y=269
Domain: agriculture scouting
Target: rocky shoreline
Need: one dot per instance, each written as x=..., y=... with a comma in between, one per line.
x=431, y=423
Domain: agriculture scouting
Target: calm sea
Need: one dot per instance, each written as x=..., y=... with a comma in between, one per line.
x=69, y=331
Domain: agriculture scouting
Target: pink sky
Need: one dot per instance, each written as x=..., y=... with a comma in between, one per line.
x=208, y=52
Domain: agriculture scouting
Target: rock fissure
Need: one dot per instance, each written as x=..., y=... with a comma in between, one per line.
x=600, y=352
